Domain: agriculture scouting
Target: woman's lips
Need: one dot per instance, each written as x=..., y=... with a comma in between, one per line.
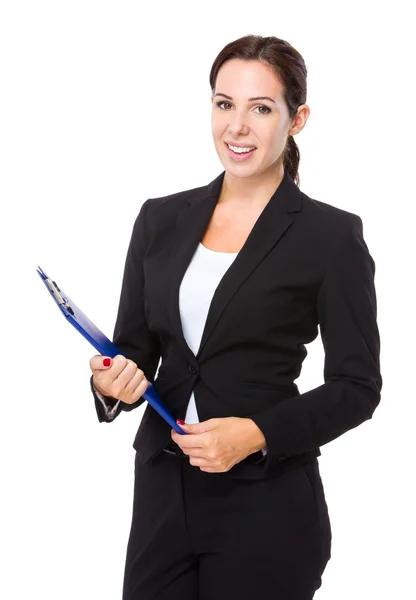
x=241, y=156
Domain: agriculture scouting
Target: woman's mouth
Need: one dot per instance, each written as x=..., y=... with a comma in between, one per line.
x=239, y=156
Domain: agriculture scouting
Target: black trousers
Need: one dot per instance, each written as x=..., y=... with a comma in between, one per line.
x=206, y=536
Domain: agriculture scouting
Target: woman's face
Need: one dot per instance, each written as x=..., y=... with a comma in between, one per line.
x=235, y=118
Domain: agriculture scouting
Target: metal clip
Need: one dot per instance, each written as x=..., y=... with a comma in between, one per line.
x=56, y=292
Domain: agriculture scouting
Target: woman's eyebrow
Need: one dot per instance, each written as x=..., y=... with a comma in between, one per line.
x=250, y=99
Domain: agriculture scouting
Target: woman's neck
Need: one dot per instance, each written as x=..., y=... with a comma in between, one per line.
x=250, y=191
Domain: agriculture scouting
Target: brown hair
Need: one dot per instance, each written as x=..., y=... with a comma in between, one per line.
x=290, y=69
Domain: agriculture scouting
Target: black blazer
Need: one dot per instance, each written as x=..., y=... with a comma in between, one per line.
x=304, y=264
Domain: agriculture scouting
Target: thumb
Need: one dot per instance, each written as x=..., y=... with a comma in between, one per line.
x=184, y=426
x=106, y=362
x=100, y=363
x=195, y=427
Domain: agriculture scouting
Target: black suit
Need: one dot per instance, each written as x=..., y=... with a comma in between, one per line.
x=304, y=264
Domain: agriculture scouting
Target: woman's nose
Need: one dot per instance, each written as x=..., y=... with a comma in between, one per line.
x=237, y=125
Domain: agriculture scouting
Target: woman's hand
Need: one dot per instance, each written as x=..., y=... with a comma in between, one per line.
x=121, y=378
x=216, y=445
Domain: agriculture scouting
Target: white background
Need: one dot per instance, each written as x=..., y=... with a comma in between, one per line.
x=105, y=104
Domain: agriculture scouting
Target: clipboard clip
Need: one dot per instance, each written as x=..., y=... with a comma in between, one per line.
x=55, y=291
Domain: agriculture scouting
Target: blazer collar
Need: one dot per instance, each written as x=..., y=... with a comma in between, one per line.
x=193, y=218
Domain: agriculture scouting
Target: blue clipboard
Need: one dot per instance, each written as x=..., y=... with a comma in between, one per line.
x=100, y=342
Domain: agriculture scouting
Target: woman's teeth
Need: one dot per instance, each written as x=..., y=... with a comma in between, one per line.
x=240, y=150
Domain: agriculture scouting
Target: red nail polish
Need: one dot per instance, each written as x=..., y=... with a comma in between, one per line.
x=107, y=362
x=180, y=422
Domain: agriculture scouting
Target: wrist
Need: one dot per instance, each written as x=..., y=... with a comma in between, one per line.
x=99, y=389
x=103, y=392
x=256, y=436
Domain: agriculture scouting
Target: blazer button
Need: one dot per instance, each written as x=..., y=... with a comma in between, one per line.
x=193, y=369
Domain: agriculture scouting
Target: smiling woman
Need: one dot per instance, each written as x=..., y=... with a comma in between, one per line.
x=228, y=282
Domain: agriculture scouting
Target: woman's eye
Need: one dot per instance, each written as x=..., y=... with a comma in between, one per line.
x=266, y=107
x=262, y=106
x=222, y=102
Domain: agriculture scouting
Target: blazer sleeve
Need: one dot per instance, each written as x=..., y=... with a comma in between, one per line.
x=131, y=333
x=347, y=312
x=107, y=407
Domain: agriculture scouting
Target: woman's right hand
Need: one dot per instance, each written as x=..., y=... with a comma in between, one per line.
x=122, y=379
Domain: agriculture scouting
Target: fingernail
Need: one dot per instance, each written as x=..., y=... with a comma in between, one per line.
x=107, y=362
x=180, y=422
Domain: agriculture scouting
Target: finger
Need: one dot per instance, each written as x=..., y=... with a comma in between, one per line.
x=132, y=392
x=190, y=440
x=197, y=451
x=196, y=454
x=137, y=379
x=200, y=461
x=138, y=385
x=99, y=362
x=124, y=372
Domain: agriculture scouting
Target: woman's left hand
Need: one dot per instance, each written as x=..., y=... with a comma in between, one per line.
x=216, y=445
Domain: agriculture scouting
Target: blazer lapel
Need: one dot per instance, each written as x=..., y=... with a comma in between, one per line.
x=192, y=222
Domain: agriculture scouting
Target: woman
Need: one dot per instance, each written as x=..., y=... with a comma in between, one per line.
x=227, y=283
